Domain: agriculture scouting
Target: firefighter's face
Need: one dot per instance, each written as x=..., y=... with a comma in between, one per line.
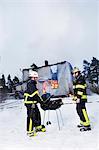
x=35, y=78
x=75, y=74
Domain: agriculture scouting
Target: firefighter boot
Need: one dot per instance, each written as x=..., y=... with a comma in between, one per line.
x=85, y=128
x=40, y=128
x=32, y=133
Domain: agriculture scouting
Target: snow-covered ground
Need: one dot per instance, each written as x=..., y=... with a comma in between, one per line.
x=13, y=128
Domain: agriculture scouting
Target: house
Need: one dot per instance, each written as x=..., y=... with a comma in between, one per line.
x=55, y=79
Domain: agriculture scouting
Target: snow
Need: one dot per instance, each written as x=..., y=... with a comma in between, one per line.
x=13, y=128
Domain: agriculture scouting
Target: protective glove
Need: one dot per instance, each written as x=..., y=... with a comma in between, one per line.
x=74, y=98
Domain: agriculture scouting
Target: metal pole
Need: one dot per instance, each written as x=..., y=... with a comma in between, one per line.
x=61, y=117
x=48, y=115
x=57, y=120
x=44, y=117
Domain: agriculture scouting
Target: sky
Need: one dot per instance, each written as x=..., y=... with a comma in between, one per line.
x=32, y=31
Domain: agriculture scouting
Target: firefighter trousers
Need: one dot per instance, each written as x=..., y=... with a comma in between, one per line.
x=82, y=113
x=33, y=118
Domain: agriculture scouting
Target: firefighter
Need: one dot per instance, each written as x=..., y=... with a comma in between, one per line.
x=80, y=97
x=31, y=98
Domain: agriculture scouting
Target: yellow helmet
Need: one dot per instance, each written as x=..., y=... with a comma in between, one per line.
x=76, y=70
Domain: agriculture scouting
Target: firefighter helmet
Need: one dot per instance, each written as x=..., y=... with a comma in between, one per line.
x=33, y=74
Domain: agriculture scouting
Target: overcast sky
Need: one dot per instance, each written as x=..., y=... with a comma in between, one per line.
x=32, y=31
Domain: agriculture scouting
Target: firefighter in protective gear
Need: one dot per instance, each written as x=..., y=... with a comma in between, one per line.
x=80, y=97
x=31, y=98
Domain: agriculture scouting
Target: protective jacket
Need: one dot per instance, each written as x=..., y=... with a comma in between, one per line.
x=31, y=95
x=79, y=86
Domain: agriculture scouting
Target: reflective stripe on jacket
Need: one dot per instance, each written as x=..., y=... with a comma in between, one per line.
x=26, y=95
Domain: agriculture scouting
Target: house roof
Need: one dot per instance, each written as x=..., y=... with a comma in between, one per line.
x=35, y=68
